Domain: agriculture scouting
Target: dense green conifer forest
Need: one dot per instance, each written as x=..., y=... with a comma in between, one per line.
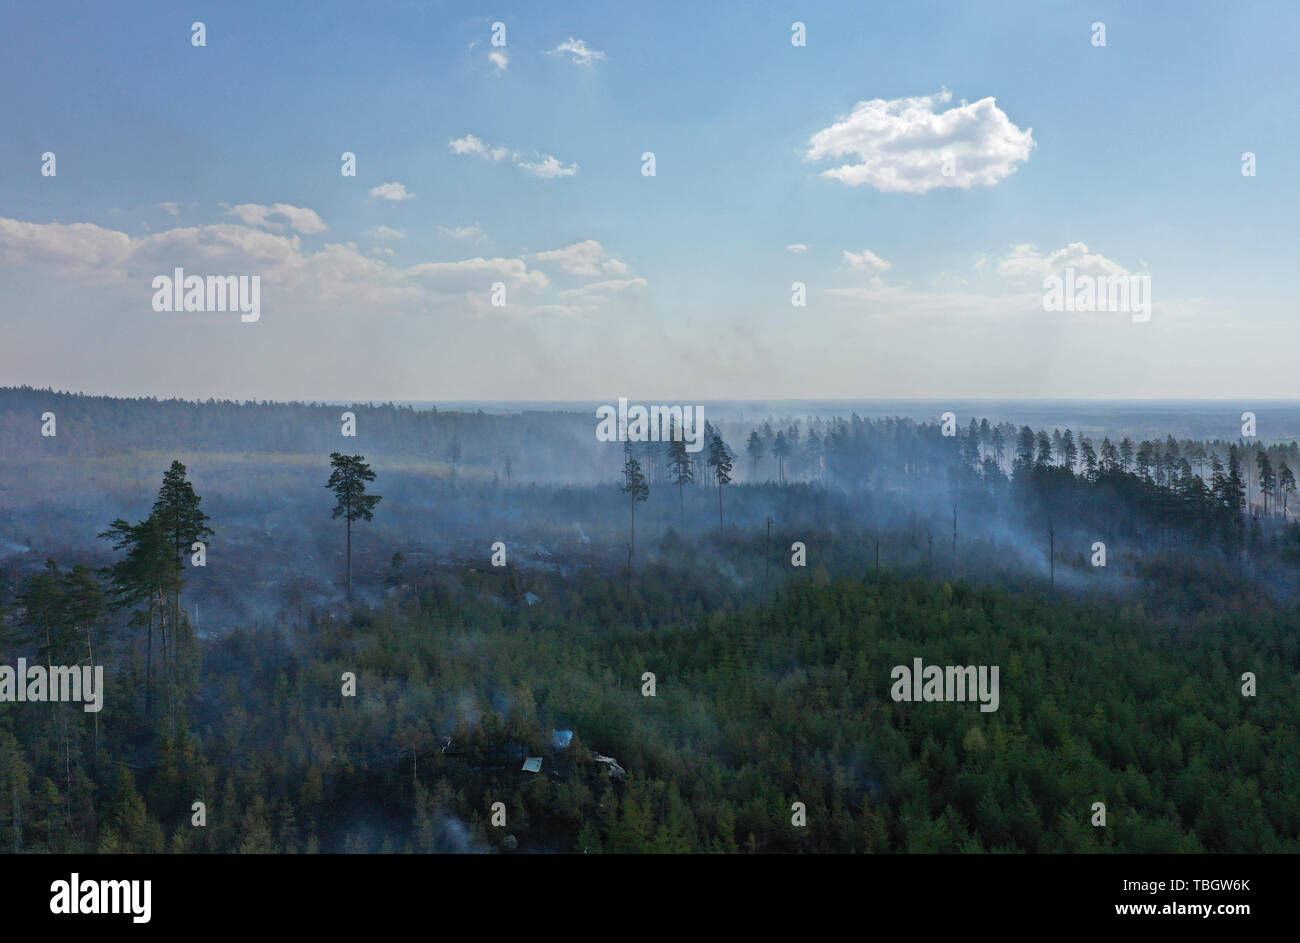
x=697, y=695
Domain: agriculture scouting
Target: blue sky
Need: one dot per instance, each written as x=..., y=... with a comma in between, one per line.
x=1136, y=154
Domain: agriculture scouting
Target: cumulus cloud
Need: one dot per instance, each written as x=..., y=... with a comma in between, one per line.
x=1025, y=263
x=339, y=277
x=77, y=249
x=298, y=218
x=578, y=51
x=499, y=60
x=253, y=214
x=546, y=166
x=173, y=209
x=472, y=146
x=391, y=191
x=385, y=233
x=905, y=146
x=798, y=248
x=583, y=258
x=866, y=261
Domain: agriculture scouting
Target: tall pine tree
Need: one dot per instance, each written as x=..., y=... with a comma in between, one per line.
x=348, y=482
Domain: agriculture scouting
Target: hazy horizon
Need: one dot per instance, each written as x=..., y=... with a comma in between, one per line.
x=634, y=398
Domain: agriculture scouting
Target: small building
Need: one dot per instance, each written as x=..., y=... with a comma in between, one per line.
x=532, y=764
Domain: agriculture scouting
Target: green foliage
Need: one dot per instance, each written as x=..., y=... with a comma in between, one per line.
x=755, y=709
x=760, y=703
x=348, y=477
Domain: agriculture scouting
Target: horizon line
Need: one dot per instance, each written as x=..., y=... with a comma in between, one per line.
x=747, y=400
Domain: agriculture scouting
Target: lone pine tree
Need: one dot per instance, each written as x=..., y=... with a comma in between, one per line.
x=348, y=482
x=635, y=487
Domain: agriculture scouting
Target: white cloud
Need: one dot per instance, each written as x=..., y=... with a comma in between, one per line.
x=546, y=167
x=900, y=146
x=339, y=277
x=172, y=208
x=1015, y=294
x=798, y=248
x=385, y=233
x=254, y=214
x=471, y=146
x=499, y=60
x=463, y=232
x=323, y=305
x=578, y=51
x=866, y=261
x=299, y=219
x=478, y=274
x=1025, y=263
x=583, y=258
x=76, y=249
x=391, y=191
